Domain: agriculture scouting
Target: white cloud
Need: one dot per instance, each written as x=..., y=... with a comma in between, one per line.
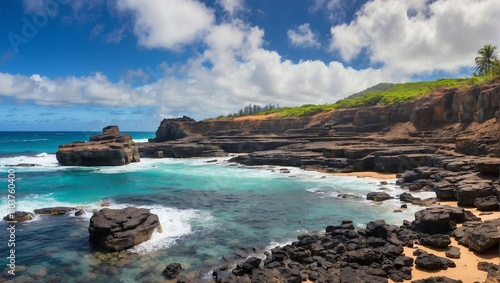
x=241, y=72
x=417, y=37
x=303, y=37
x=234, y=69
x=232, y=6
x=168, y=23
x=68, y=91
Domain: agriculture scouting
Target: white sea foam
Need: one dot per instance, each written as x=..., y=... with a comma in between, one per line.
x=176, y=223
x=275, y=244
x=34, y=201
x=141, y=140
x=43, y=160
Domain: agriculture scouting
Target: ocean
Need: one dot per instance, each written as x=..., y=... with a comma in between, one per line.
x=208, y=210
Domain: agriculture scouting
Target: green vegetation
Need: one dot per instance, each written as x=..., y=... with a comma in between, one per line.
x=381, y=94
x=379, y=87
x=304, y=110
x=398, y=93
x=487, y=63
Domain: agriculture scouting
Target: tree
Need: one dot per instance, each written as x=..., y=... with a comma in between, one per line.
x=486, y=60
x=496, y=68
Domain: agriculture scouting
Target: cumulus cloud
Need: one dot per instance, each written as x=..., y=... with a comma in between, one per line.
x=419, y=36
x=242, y=71
x=302, y=36
x=232, y=6
x=68, y=91
x=168, y=23
x=234, y=68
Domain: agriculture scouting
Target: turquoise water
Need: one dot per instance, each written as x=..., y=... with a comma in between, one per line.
x=207, y=210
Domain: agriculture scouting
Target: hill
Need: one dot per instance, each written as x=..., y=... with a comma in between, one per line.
x=380, y=94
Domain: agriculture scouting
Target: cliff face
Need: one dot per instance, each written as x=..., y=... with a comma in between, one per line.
x=476, y=104
x=173, y=129
x=464, y=116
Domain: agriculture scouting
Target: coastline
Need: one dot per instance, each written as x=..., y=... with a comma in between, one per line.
x=467, y=265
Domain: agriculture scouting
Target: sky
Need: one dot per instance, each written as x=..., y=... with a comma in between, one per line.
x=79, y=65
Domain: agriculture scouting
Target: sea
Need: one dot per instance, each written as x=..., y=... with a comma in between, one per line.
x=211, y=210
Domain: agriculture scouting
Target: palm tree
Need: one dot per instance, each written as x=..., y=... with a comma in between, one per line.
x=486, y=59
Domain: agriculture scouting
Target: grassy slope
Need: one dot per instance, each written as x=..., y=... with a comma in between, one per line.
x=382, y=94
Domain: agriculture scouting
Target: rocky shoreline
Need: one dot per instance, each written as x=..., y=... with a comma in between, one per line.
x=446, y=142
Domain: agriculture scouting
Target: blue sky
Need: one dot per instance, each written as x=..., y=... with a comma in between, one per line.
x=85, y=64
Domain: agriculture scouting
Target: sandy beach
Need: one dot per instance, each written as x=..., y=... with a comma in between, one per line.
x=367, y=174
x=466, y=269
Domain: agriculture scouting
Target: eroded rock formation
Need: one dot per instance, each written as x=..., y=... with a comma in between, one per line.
x=107, y=149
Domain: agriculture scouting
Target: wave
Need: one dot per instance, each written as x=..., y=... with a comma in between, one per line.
x=43, y=160
x=176, y=223
x=140, y=140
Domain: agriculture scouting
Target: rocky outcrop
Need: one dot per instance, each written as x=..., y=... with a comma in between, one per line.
x=442, y=219
x=373, y=254
x=172, y=270
x=173, y=129
x=183, y=148
x=467, y=187
x=493, y=275
x=378, y=196
x=489, y=203
x=120, y=229
x=58, y=210
x=429, y=261
x=437, y=279
x=19, y=216
x=480, y=237
x=108, y=149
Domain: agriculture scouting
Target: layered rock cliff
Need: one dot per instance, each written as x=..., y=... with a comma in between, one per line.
x=462, y=117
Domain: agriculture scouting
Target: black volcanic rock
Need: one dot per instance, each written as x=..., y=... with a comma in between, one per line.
x=120, y=229
x=432, y=262
x=489, y=203
x=439, y=220
x=482, y=237
x=378, y=196
x=19, y=216
x=437, y=279
x=58, y=210
x=172, y=270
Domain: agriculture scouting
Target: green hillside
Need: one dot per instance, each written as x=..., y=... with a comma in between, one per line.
x=381, y=94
